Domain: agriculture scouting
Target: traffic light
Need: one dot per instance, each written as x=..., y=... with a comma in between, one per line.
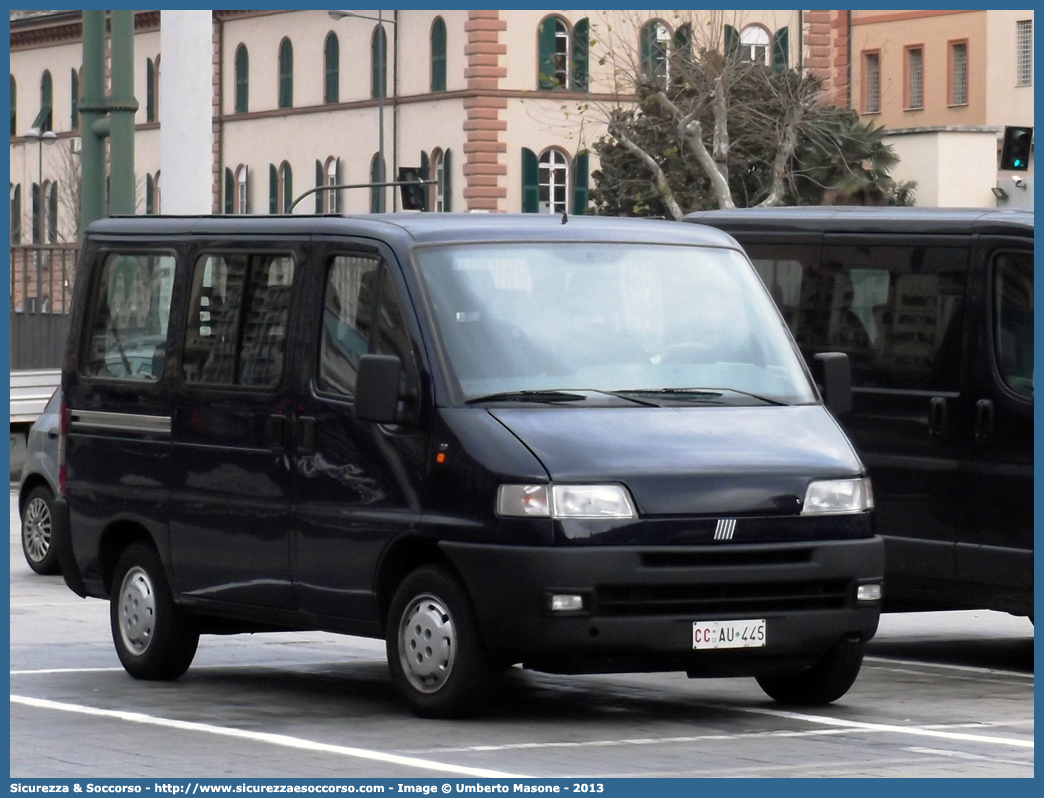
x=415, y=195
x=1015, y=153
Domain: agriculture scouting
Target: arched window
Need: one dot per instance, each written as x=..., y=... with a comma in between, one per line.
x=755, y=45
x=150, y=188
x=333, y=178
x=379, y=63
x=553, y=54
x=14, y=106
x=438, y=55
x=581, y=46
x=45, y=119
x=150, y=91
x=242, y=80
x=286, y=74
x=554, y=181
x=376, y=176
x=242, y=202
x=286, y=187
x=74, y=91
x=655, y=51
x=51, y=197
x=331, y=91
x=16, y=214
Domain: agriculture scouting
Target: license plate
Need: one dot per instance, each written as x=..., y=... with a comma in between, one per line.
x=728, y=634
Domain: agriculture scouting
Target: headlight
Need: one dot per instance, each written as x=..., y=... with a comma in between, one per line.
x=838, y=496
x=565, y=501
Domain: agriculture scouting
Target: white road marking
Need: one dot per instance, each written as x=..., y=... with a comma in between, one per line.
x=918, y=731
x=966, y=755
x=264, y=737
x=63, y=670
x=945, y=666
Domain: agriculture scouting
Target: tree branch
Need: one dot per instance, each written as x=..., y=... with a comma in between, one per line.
x=659, y=178
x=787, y=144
x=691, y=132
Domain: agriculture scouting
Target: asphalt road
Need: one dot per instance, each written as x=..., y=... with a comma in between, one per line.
x=940, y=694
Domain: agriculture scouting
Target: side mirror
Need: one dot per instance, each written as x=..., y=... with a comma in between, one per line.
x=377, y=389
x=833, y=374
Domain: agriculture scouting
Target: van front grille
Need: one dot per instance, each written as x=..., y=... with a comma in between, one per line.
x=697, y=600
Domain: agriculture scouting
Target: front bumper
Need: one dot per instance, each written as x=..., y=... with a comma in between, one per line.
x=640, y=603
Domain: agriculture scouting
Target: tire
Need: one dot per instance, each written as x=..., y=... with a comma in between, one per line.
x=435, y=654
x=36, y=531
x=152, y=636
x=824, y=682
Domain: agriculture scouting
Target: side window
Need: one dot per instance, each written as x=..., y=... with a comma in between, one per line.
x=897, y=312
x=237, y=321
x=393, y=336
x=1013, y=320
x=786, y=270
x=131, y=310
x=348, y=301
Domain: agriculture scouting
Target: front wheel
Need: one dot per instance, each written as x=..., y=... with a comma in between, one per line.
x=153, y=638
x=436, y=658
x=824, y=682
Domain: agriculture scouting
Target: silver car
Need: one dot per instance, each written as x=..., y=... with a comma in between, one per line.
x=39, y=486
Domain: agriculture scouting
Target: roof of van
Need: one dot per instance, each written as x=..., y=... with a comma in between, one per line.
x=860, y=219
x=410, y=228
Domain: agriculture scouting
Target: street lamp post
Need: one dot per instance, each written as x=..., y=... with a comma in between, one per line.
x=380, y=85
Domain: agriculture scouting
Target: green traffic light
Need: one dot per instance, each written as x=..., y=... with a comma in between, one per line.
x=1018, y=163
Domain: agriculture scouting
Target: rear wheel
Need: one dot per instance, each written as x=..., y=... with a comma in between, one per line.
x=826, y=681
x=434, y=652
x=153, y=638
x=36, y=531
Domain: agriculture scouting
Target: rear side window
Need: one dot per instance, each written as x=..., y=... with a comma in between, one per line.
x=897, y=312
x=1013, y=320
x=237, y=321
x=128, y=333
x=348, y=300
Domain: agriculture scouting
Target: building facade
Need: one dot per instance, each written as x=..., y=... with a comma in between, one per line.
x=499, y=107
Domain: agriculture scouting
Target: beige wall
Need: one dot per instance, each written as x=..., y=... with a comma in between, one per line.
x=1006, y=103
x=933, y=31
x=952, y=169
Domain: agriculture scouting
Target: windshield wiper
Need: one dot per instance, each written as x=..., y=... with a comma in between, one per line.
x=528, y=396
x=696, y=393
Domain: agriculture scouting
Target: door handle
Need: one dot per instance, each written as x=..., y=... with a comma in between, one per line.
x=983, y=421
x=304, y=435
x=938, y=418
x=277, y=433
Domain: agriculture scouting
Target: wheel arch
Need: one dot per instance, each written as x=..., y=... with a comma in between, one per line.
x=32, y=481
x=401, y=558
x=115, y=540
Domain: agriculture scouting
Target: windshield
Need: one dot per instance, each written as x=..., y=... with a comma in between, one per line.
x=637, y=318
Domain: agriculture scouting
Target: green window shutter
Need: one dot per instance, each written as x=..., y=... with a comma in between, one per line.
x=376, y=193
x=286, y=74
x=288, y=188
x=149, y=189
x=150, y=91
x=581, y=47
x=438, y=55
x=425, y=173
x=683, y=41
x=447, y=178
x=318, y=182
x=74, y=82
x=230, y=190
x=379, y=64
x=52, y=214
x=36, y=213
x=273, y=188
x=14, y=106
x=580, y=184
x=546, y=54
x=647, y=50
x=732, y=42
x=781, y=50
x=332, y=91
x=530, y=182
x=44, y=118
x=242, y=80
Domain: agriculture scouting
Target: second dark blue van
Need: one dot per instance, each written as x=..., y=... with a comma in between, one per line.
x=583, y=446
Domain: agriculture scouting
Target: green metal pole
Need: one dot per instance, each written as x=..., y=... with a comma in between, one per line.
x=122, y=107
x=92, y=110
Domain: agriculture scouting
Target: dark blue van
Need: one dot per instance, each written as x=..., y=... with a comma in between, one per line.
x=583, y=445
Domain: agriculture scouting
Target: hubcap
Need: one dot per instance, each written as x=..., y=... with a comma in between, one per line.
x=427, y=643
x=36, y=529
x=137, y=610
